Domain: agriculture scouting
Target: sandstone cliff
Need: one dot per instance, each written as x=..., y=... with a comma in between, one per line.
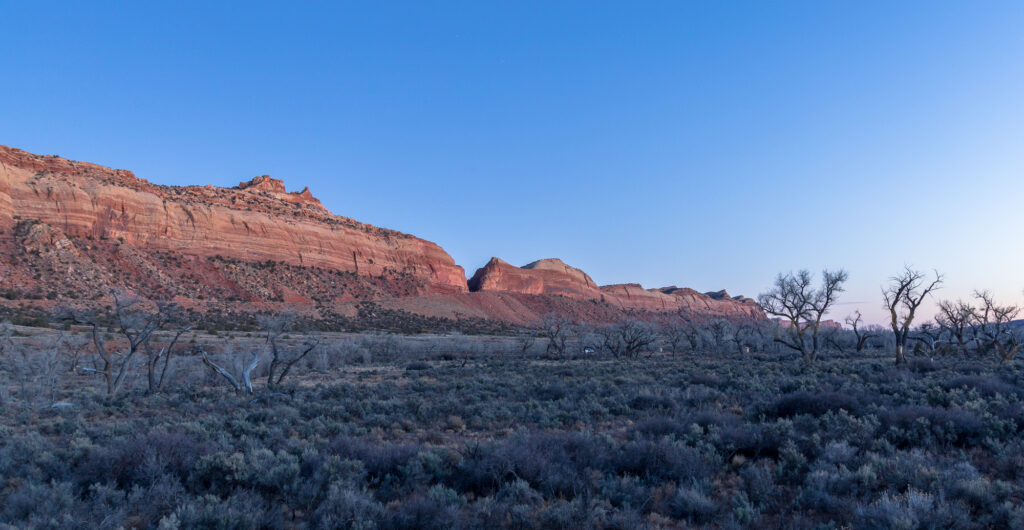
x=256, y=221
x=75, y=232
x=546, y=276
x=553, y=277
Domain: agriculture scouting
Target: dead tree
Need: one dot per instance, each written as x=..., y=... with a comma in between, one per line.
x=525, y=342
x=132, y=320
x=674, y=333
x=928, y=339
x=832, y=338
x=246, y=374
x=794, y=299
x=635, y=336
x=755, y=334
x=75, y=345
x=628, y=338
x=153, y=358
x=956, y=319
x=904, y=294
x=992, y=324
x=862, y=334
x=692, y=332
x=556, y=330
x=743, y=334
x=281, y=357
x=720, y=330
x=34, y=367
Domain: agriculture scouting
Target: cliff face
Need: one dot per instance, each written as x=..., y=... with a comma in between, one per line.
x=74, y=231
x=553, y=277
x=255, y=221
x=547, y=276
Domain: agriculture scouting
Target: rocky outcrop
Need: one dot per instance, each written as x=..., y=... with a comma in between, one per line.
x=256, y=221
x=546, y=276
x=553, y=277
x=75, y=231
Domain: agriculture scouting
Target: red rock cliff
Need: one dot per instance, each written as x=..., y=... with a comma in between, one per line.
x=546, y=276
x=255, y=221
x=553, y=277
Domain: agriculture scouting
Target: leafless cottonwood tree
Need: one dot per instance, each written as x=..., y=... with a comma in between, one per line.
x=692, y=331
x=628, y=338
x=992, y=323
x=861, y=333
x=282, y=357
x=956, y=318
x=556, y=329
x=794, y=298
x=138, y=325
x=756, y=335
x=156, y=375
x=674, y=334
x=904, y=294
x=744, y=334
x=721, y=331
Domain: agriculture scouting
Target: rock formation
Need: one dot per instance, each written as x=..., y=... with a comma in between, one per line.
x=553, y=277
x=546, y=276
x=255, y=221
x=74, y=231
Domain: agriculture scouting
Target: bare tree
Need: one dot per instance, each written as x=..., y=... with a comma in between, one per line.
x=691, y=330
x=992, y=323
x=956, y=319
x=674, y=333
x=75, y=345
x=137, y=324
x=636, y=336
x=525, y=342
x=721, y=331
x=833, y=338
x=556, y=329
x=153, y=357
x=741, y=334
x=861, y=333
x=904, y=294
x=748, y=335
x=756, y=335
x=281, y=357
x=33, y=368
x=628, y=338
x=794, y=299
x=928, y=337
x=246, y=374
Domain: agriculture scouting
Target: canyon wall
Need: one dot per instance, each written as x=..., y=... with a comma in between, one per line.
x=253, y=222
x=75, y=231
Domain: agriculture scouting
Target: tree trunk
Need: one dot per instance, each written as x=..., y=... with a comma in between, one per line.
x=901, y=357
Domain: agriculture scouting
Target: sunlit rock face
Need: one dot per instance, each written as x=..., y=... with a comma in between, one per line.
x=553, y=277
x=79, y=231
x=255, y=221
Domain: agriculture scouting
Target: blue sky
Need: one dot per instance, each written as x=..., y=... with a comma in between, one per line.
x=706, y=144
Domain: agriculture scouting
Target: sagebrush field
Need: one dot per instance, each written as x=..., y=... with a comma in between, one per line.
x=385, y=431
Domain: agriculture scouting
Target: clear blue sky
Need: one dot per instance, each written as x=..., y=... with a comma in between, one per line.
x=706, y=144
